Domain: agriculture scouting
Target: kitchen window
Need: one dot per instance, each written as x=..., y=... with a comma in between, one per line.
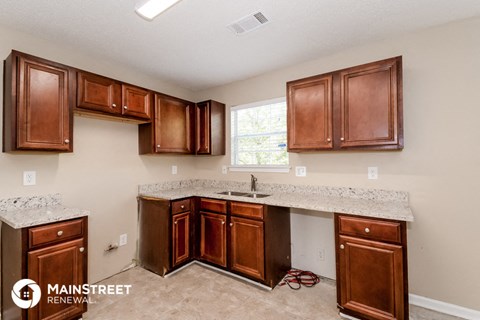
x=259, y=136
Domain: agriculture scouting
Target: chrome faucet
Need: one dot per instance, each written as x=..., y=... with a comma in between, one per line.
x=253, y=183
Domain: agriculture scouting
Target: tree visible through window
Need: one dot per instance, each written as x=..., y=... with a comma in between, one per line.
x=259, y=134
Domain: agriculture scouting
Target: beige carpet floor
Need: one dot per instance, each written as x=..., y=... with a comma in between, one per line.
x=200, y=293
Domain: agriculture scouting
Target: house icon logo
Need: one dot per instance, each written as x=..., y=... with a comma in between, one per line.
x=21, y=296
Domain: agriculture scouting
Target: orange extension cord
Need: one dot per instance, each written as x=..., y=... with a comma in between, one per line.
x=295, y=278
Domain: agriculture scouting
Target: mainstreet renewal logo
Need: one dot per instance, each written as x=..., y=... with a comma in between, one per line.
x=18, y=297
x=57, y=294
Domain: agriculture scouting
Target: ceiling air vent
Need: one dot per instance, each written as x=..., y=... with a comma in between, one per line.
x=248, y=23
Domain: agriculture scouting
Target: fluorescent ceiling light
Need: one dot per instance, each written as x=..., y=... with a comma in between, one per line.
x=152, y=8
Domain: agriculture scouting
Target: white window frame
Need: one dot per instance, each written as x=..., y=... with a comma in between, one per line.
x=258, y=168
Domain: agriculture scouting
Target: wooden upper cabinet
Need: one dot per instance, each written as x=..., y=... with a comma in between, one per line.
x=38, y=98
x=172, y=125
x=136, y=102
x=310, y=114
x=202, y=113
x=104, y=96
x=98, y=93
x=369, y=104
x=210, y=128
x=354, y=108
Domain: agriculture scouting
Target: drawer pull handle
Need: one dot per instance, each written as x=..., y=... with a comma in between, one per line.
x=367, y=230
x=182, y=206
x=82, y=249
x=342, y=246
x=59, y=233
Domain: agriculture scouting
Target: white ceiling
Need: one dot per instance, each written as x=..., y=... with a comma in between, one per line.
x=189, y=44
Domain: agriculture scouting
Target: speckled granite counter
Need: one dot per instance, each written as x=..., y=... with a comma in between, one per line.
x=365, y=202
x=24, y=212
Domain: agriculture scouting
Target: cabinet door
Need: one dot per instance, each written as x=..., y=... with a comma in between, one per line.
x=371, y=278
x=44, y=112
x=181, y=238
x=203, y=128
x=136, y=102
x=173, y=126
x=309, y=115
x=61, y=264
x=213, y=238
x=247, y=247
x=369, y=104
x=98, y=93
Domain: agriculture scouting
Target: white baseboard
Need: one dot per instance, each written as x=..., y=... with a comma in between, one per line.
x=444, y=307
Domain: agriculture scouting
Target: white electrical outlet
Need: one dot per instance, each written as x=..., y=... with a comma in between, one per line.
x=301, y=171
x=29, y=178
x=224, y=169
x=174, y=169
x=372, y=173
x=123, y=240
x=321, y=255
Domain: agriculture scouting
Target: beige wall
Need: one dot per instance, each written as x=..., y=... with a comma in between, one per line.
x=439, y=167
x=103, y=172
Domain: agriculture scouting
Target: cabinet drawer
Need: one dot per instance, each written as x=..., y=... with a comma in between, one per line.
x=246, y=209
x=54, y=233
x=213, y=205
x=180, y=206
x=372, y=229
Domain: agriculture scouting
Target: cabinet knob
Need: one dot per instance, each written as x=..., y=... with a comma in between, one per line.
x=176, y=222
x=114, y=105
x=158, y=146
x=125, y=107
x=342, y=246
x=328, y=139
x=342, y=139
x=223, y=222
x=67, y=141
x=231, y=224
x=367, y=230
x=182, y=206
x=82, y=249
x=59, y=233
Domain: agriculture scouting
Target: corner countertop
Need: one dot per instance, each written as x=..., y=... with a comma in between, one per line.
x=25, y=212
x=375, y=203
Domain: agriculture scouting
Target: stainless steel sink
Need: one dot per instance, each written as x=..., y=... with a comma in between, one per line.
x=234, y=193
x=256, y=195
x=244, y=194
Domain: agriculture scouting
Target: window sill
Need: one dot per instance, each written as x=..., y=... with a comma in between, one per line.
x=277, y=169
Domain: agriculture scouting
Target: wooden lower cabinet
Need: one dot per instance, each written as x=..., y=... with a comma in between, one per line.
x=59, y=264
x=180, y=238
x=213, y=238
x=371, y=273
x=52, y=254
x=165, y=234
x=247, y=249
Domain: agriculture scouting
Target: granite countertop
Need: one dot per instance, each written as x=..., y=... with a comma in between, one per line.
x=32, y=211
x=375, y=203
